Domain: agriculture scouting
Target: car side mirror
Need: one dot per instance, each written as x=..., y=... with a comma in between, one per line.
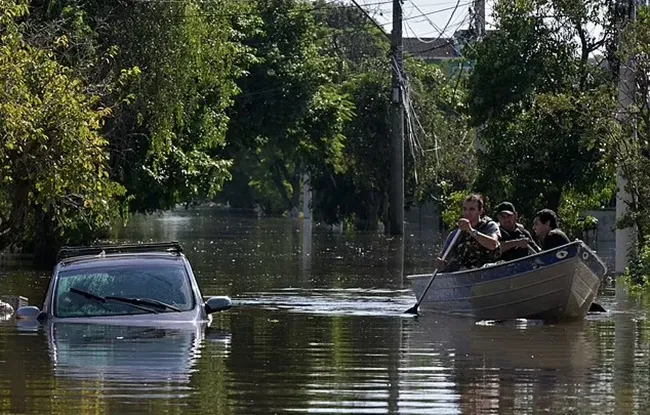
x=214, y=304
x=30, y=312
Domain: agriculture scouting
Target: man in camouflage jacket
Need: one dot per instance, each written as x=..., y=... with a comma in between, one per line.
x=479, y=242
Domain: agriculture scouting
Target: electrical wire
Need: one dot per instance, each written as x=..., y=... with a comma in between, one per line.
x=423, y=14
x=381, y=28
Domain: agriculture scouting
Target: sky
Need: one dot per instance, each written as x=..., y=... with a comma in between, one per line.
x=439, y=14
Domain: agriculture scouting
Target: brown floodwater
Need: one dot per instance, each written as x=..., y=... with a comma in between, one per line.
x=318, y=327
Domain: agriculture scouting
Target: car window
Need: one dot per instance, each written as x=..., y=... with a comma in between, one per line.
x=167, y=283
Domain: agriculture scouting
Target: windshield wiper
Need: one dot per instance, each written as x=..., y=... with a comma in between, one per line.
x=102, y=300
x=144, y=301
x=86, y=294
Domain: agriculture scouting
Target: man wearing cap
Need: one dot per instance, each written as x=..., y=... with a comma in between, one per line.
x=516, y=241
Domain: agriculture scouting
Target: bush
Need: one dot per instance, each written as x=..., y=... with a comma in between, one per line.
x=452, y=212
x=637, y=275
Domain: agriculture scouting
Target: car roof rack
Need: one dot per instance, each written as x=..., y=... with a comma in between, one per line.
x=75, y=251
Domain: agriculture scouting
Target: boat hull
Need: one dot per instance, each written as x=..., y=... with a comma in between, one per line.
x=558, y=284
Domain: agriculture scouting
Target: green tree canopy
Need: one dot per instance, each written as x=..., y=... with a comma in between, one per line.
x=544, y=106
x=167, y=70
x=53, y=159
x=288, y=119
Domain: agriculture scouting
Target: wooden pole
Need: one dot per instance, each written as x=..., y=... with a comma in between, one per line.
x=624, y=237
x=396, y=208
x=480, y=18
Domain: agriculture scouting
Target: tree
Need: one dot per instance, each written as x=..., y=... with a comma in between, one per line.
x=287, y=121
x=545, y=107
x=631, y=151
x=439, y=151
x=168, y=71
x=359, y=191
x=55, y=185
x=350, y=37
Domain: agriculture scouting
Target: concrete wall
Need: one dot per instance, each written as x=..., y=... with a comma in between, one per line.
x=425, y=216
x=604, y=242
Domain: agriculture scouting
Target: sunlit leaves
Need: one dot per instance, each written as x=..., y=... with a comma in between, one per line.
x=632, y=151
x=288, y=119
x=545, y=110
x=53, y=158
x=165, y=72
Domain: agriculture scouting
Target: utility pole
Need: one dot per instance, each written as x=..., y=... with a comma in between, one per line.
x=396, y=207
x=479, y=19
x=624, y=237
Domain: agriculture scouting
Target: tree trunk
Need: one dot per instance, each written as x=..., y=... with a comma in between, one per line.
x=553, y=198
x=10, y=231
x=295, y=196
x=46, y=241
x=278, y=179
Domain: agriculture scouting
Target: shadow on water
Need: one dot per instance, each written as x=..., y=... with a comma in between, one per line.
x=317, y=327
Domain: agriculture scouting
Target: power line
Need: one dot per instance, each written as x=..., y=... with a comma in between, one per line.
x=450, y=17
x=422, y=14
x=371, y=19
x=441, y=34
x=332, y=4
x=434, y=35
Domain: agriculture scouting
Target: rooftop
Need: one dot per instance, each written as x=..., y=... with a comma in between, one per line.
x=431, y=49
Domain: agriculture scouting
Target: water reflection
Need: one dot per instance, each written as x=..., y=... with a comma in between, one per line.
x=123, y=367
x=334, y=301
x=317, y=327
x=127, y=355
x=306, y=243
x=239, y=255
x=503, y=368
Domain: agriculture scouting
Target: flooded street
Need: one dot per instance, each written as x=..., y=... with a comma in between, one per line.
x=317, y=326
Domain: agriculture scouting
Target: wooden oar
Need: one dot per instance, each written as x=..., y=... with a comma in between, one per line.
x=414, y=309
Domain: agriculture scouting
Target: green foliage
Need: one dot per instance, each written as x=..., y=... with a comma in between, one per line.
x=287, y=121
x=167, y=70
x=360, y=188
x=545, y=112
x=176, y=126
x=55, y=185
x=637, y=275
x=349, y=36
x=453, y=208
x=441, y=152
x=439, y=147
x=574, y=203
x=633, y=155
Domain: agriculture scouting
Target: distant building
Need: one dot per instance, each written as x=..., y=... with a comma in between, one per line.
x=439, y=49
x=431, y=50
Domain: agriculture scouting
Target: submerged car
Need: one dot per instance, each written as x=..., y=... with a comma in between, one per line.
x=134, y=284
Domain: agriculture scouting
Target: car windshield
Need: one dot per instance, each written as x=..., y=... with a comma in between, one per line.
x=132, y=288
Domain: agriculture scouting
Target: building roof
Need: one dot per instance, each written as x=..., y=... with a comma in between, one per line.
x=429, y=49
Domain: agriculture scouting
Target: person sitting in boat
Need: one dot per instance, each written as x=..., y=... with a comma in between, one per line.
x=479, y=242
x=545, y=227
x=516, y=242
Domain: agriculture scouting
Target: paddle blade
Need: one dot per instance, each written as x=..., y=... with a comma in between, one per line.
x=597, y=308
x=412, y=310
